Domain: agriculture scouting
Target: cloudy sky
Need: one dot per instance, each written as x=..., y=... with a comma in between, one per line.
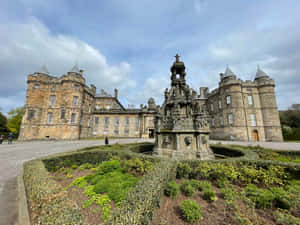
x=130, y=44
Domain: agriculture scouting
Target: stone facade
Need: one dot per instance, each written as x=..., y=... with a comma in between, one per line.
x=66, y=108
x=244, y=110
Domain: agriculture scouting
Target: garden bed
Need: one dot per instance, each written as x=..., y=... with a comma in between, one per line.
x=230, y=193
x=117, y=185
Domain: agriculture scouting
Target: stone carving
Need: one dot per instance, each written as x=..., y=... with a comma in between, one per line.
x=188, y=140
x=181, y=114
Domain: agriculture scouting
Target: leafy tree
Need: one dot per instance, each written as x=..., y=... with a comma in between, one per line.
x=3, y=122
x=15, y=119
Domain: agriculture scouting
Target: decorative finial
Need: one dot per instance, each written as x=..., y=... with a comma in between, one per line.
x=177, y=57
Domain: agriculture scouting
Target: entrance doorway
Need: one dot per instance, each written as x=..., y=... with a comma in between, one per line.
x=151, y=133
x=255, y=135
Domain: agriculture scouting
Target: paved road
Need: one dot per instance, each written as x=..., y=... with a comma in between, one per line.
x=273, y=145
x=12, y=158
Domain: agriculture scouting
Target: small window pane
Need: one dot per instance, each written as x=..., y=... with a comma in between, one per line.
x=49, y=118
x=230, y=119
x=228, y=100
x=253, y=120
x=75, y=100
x=52, y=100
x=62, y=114
x=96, y=120
x=250, y=100
x=73, y=118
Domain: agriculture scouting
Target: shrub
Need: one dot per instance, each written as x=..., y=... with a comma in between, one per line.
x=222, y=182
x=195, y=184
x=187, y=188
x=281, y=198
x=210, y=195
x=183, y=170
x=204, y=185
x=263, y=198
x=74, y=167
x=172, y=189
x=136, y=166
x=202, y=171
x=227, y=193
x=109, y=166
x=191, y=211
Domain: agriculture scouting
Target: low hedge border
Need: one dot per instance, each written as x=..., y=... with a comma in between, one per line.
x=48, y=201
x=237, y=152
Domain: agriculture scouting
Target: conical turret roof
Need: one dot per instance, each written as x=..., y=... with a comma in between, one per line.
x=228, y=72
x=43, y=70
x=75, y=68
x=260, y=73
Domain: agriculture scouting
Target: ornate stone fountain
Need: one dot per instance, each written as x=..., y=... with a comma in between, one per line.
x=182, y=124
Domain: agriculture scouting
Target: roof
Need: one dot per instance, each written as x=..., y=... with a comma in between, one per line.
x=43, y=70
x=260, y=73
x=75, y=68
x=228, y=72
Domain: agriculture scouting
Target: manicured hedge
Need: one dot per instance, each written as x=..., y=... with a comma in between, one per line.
x=236, y=152
x=47, y=200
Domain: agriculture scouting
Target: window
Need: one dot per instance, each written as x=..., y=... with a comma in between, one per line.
x=106, y=121
x=107, y=107
x=117, y=121
x=77, y=86
x=62, y=114
x=230, y=119
x=90, y=108
x=97, y=107
x=250, y=100
x=96, y=120
x=89, y=122
x=36, y=86
x=49, y=117
x=127, y=121
x=212, y=107
x=75, y=100
x=220, y=104
x=53, y=87
x=228, y=100
x=30, y=115
x=221, y=121
x=73, y=118
x=52, y=100
x=126, y=132
x=116, y=132
x=253, y=120
x=213, y=122
x=136, y=122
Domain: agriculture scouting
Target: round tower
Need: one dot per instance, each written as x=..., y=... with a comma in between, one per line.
x=269, y=109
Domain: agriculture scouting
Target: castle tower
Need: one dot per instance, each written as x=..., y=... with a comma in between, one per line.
x=269, y=110
x=182, y=125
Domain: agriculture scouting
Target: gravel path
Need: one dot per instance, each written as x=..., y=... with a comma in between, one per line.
x=12, y=158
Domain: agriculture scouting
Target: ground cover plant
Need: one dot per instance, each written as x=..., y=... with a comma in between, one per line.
x=99, y=188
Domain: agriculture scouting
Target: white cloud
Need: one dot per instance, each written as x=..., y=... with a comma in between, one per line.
x=25, y=47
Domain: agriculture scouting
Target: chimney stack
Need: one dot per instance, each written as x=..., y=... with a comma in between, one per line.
x=116, y=93
x=102, y=92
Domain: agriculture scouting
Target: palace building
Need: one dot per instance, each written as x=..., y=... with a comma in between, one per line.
x=66, y=108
